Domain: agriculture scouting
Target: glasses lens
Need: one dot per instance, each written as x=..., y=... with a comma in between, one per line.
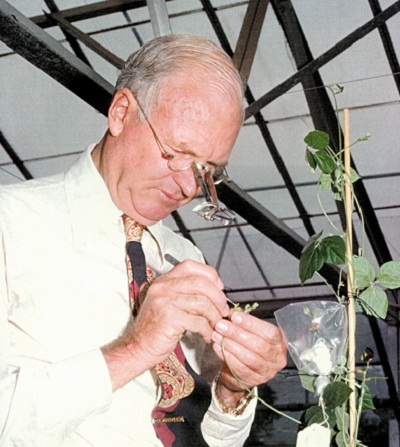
x=180, y=162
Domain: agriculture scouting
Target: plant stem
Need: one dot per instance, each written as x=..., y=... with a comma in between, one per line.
x=350, y=281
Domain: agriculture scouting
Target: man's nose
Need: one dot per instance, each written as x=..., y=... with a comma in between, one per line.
x=187, y=182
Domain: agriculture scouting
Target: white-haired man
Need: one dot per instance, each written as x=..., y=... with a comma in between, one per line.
x=76, y=368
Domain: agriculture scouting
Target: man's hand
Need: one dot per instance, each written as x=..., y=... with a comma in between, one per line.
x=188, y=298
x=254, y=349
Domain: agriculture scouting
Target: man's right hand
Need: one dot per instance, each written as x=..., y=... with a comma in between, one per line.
x=188, y=298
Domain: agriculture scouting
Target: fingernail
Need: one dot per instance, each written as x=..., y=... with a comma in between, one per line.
x=237, y=317
x=217, y=337
x=220, y=284
x=221, y=326
x=225, y=311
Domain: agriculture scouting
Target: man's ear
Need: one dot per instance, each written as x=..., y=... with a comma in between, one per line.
x=123, y=109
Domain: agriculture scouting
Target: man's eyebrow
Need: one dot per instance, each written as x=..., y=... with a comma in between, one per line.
x=185, y=148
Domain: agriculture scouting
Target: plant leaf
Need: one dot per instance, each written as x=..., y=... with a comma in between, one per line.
x=363, y=271
x=342, y=439
x=324, y=161
x=367, y=403
x=389, y=275
x=333, y=250
x=354, y=175
x=325, y=180
x=336, y=394
x=307, y=381
x=310, y=160
x=313, y=239
x=374, y=302
x=314, y=415
x=311, y=413
x=311, y=260
x=317, y=139
x=342, y=419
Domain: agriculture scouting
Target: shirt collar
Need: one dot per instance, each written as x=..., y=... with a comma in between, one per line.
x=90, y=204
x=92, y=209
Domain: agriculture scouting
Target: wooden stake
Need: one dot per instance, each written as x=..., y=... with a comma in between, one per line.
x=350, y=281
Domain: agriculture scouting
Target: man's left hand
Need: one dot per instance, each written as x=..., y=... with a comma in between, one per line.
x=254, y=349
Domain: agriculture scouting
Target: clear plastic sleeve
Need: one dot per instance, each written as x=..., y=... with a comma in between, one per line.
x=315, y=333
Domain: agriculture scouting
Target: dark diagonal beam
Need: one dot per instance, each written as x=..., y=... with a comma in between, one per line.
x=387, y=44
x=249, y=36
x=14, y=157
x=74, y=44
x=45, y=53
x=91, y=43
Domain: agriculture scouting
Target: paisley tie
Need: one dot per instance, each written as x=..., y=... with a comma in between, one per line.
x=186, y=396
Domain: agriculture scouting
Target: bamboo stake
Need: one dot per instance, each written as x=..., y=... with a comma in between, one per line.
x=350, y=281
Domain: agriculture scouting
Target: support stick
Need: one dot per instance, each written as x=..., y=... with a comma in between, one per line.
x=350, y=281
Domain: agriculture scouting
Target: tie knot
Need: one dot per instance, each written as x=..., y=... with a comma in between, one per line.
x=133, y=230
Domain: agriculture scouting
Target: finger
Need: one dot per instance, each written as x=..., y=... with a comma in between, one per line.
x=190, y=267
x=267, y=343
x=258, y=355
x=257, y=326
x=199, y=305
x=190, y=285
x=247, y=376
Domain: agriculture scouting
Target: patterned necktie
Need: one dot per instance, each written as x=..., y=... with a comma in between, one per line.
x=186, y=396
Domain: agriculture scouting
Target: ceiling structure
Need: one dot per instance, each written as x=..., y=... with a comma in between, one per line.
x=60, y=59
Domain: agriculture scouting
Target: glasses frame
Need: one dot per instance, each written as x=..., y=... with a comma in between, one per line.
x=210, y=208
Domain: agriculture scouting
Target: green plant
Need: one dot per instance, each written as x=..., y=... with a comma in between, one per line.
x=347, y=395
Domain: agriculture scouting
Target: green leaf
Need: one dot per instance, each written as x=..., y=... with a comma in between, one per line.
x=342, y=439
x=333, y=250
x=338, y=197
x=374, y=302
x=311, y=260
x=367, y=403
x=389, y=275
x=342, y=419
x=336, y=394
x=317, y=139
x=324, y=161
x=307, y=381
x=325, y=180
x=314, y=415
x=354, y=175
x=363, y=271
x=313, y=240
x=310, y=160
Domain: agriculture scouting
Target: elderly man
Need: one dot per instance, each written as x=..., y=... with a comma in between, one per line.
x=77, y=369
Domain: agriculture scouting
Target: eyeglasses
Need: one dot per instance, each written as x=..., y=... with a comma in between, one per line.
x=206, y=176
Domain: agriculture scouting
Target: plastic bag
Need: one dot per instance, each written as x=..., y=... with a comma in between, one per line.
x=315, y=333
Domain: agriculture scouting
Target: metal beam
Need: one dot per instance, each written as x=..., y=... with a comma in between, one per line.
x=268, y=224
x=51, y=4
x=45, y=53
x=90, y=11
x=316, y=64
x=159, y=17
x=387, y=44
x=87, y=40
x=14, y=157
x=249, y=36
x=278, y=160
